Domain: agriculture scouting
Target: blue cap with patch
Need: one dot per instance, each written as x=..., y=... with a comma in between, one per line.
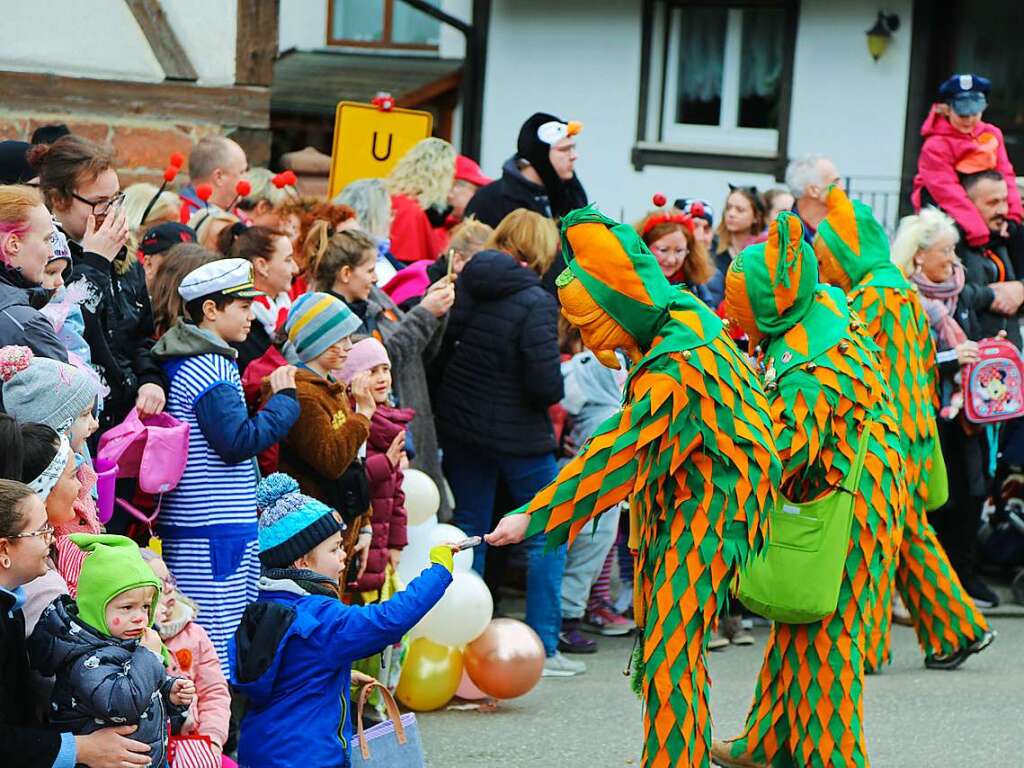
x=966, y=94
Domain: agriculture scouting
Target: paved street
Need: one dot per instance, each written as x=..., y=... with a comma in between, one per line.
x=916, y=718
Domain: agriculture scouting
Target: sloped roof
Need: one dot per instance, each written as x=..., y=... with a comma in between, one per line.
x=312, y=83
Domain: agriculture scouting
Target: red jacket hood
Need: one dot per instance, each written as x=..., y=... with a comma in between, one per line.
x=386, y=423
x=939, y=125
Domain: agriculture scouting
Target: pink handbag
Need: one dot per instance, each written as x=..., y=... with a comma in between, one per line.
x=154, y=450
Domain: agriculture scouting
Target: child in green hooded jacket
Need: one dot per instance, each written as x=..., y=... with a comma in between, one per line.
x=102, y=650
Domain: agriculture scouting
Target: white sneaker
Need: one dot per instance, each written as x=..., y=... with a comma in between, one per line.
x=562, y=666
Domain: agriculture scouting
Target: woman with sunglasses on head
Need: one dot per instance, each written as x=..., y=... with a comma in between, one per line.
x=82, y=189
x=743, y=221
x=26, y=534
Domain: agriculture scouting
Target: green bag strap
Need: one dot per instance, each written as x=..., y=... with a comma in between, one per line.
x=852, y=480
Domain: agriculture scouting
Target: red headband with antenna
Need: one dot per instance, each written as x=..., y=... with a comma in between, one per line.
x=665, y=217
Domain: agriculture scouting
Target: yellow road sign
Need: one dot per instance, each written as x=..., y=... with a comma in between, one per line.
x=369, y=141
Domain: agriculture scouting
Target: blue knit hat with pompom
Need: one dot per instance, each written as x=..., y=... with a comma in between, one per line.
x=291, y=523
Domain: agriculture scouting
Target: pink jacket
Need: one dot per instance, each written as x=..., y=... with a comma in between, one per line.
x=947, y=152
x=193, y=656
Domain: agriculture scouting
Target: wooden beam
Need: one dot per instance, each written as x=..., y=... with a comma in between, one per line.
x=256, y=41
x=430, y=91
x=244, y=107
x=162, y=40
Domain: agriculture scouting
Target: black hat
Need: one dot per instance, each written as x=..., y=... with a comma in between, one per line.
x=163, y=236
x=14, y=166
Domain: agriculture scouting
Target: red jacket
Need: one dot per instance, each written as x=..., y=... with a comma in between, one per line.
x=388, y=501
x=412, y=236
x=947, y=152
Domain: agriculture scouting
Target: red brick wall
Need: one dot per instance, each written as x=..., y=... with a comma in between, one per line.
x=142, y=147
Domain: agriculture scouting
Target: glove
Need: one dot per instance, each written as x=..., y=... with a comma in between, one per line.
x=442, y=555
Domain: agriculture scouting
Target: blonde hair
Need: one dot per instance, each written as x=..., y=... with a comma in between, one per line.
x=756, y=227
x=202, y=224
x=263, y=189
x=919, y=232
x=325, y=252
x=16, y=204
x=370, y=200
x=425, y=173
x=529, y=237
x=469, y=236
x=136, y=197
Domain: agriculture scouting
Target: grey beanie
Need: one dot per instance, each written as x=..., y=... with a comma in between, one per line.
x=44, y=391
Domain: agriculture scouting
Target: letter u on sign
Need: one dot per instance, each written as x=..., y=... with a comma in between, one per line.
x=368, y=141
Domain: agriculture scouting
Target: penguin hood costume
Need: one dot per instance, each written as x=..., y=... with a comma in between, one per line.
x=537, y=136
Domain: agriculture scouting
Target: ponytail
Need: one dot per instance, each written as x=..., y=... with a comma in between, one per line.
x=327, y=251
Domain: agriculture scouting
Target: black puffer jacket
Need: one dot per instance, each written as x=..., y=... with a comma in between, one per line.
x=118, y=328
x=23, y=743
x=20, y=319
x=101, y=681
x=500, y=362
x=512, y=191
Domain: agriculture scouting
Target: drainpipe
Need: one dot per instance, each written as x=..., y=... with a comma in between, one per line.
x=473, y=71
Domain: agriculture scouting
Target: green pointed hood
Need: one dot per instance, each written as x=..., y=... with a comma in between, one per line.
x=622, y=276
x=852, y=240
x=113, y=564
x=770, y=285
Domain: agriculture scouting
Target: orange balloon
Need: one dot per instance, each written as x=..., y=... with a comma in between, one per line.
x=431, y=674
x=506, y=661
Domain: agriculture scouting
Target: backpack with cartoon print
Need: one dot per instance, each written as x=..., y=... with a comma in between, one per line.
x=994, y=386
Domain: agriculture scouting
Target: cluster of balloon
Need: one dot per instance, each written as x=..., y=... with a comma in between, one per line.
x=503, y=658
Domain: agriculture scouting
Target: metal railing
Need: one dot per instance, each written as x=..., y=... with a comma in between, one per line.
x=882, y=193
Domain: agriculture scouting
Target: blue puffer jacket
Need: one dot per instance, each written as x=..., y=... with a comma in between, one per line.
x=292, y=658
x=500, y=366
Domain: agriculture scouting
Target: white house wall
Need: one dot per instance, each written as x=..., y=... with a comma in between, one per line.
x=581, y=61
x=100, y=38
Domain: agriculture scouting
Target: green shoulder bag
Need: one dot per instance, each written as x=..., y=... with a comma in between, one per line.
x=796, y=578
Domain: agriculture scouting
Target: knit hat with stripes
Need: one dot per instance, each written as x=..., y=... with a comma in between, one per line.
x=291, y=524
x=318, y=321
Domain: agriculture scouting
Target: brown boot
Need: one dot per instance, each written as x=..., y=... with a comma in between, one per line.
x=721, y=756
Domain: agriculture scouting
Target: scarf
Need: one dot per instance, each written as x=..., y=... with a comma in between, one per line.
x=939, y=301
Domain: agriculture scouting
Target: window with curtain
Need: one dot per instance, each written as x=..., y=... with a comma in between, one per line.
x=381, y=24
x=715, y=83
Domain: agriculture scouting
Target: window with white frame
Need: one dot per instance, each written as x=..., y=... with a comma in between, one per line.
x=716, y=77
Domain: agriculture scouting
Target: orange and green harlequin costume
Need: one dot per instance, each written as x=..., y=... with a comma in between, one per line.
x=691, y=449
x=826, y=393
x=853, y=251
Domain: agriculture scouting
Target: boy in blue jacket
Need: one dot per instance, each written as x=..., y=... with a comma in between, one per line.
x=208, y=522
x=292, y=655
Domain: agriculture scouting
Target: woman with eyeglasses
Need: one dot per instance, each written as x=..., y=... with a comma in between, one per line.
x=25, y=229
x=82, y=190
x=26, y=533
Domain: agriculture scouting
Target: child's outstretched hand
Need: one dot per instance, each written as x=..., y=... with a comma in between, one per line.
x=183, y=691
x=396, y=449
x=442, y=554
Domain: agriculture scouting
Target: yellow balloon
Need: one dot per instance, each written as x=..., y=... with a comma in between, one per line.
x=430, y=675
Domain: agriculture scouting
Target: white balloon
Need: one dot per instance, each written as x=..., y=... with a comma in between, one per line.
x=444, y=533
x=422, y=499
x=462, y=614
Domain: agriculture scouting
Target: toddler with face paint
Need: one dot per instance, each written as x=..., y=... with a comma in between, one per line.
x=107, y=660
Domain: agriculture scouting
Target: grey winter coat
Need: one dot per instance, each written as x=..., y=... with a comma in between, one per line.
x=101, y=681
